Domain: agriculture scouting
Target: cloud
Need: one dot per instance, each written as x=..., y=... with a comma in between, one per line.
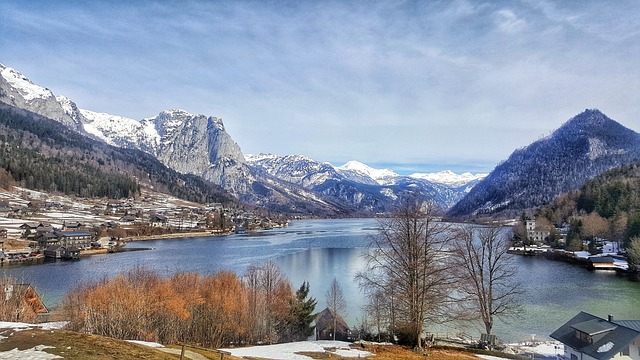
x=509, y=22
x=381, y=82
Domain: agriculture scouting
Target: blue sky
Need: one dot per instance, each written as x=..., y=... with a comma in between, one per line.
x=410, y=85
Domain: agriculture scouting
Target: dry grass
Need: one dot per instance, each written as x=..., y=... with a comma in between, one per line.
x=72, y=345
x=400, y=353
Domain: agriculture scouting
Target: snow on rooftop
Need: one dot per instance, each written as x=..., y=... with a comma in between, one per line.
x=606, y=347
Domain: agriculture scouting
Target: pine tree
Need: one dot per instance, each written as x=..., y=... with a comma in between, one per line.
x=302, y=308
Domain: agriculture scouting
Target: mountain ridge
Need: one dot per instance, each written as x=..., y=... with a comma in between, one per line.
x=199, y=145
x=585, y=146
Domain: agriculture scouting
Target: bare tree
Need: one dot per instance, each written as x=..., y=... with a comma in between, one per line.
x=409, y=256
x=378, y=308
x=335, y=303
x=486, y=273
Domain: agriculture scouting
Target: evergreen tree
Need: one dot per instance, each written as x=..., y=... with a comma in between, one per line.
x=302, y=308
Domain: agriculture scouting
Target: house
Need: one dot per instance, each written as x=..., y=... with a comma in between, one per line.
x=32, y=229
x=72, y=225
x=159, y=220
x=75, y=239
x=47, y=239
x=588, y=337
x=324, y=327
x=25, y=303
x=62, y=252
x=54, y=251
x=535, y=232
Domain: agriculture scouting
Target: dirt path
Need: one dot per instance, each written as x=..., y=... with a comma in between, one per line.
x=187, y=353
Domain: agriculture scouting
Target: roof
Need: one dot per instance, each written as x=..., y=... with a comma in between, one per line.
x=325, y=319
x=631, y=324
x=594, y=326
x=602, y=259
x=74, y=233
x=609, y=338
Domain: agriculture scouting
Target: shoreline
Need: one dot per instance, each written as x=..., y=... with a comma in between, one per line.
x=174, y=236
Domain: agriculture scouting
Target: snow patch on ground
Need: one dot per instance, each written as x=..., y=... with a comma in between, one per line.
x=35, y=353
x=288, y=351
x=146, y=343
x=18, y=326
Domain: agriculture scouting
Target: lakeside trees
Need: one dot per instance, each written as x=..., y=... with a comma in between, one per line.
x=485, y=273
x=409, y=259
x=212, y=311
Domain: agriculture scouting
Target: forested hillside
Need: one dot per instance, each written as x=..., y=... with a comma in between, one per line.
x=584, y=147
x=42, y=154
x=606, y=206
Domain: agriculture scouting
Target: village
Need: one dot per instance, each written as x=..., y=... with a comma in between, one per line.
x=35, y=225
x=597, y=254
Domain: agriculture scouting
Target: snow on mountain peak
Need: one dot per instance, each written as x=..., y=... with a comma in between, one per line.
x=381, y=176
x=449, y=178
x=257, y=157
x=24, y=86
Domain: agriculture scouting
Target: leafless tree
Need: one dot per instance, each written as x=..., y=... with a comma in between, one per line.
x=409, y=257
x=486, y=273
x=335, y=302
x=378, y=309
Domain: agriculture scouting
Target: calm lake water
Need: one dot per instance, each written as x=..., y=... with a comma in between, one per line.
x=319, y=250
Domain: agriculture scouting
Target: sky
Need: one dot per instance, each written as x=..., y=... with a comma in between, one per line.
x=414, y=86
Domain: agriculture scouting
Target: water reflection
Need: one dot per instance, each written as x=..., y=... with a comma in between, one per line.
x=320, y=266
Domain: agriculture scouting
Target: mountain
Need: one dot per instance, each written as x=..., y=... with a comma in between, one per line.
x=449, y=178
x=199, y=145
x=43, y=154
x=354, y=183
x=187, y=143
x=585, y=146
x=360, y=172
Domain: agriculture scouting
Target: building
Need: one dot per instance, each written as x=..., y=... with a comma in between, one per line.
x=588, y=337
x=535, y=232
x=23, y=303
x=324, y=327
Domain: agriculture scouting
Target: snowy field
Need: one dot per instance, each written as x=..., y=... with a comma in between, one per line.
x=289, y=351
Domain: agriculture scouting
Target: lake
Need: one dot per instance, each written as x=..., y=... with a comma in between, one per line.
x=319, y=250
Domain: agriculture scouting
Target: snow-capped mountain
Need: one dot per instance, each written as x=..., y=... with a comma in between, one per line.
x=199, y=145
x=449, y=178
x=355, y=183
x=587, y=145
x=18, y=91
x=358, y=171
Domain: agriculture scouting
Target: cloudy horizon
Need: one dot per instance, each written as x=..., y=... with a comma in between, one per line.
x=413, y=86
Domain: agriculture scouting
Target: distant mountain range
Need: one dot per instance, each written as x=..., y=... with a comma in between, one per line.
x=585, y=146
x=199, y=145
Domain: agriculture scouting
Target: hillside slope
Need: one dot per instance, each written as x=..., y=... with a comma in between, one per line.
x=43, y=154
x=585, y=146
